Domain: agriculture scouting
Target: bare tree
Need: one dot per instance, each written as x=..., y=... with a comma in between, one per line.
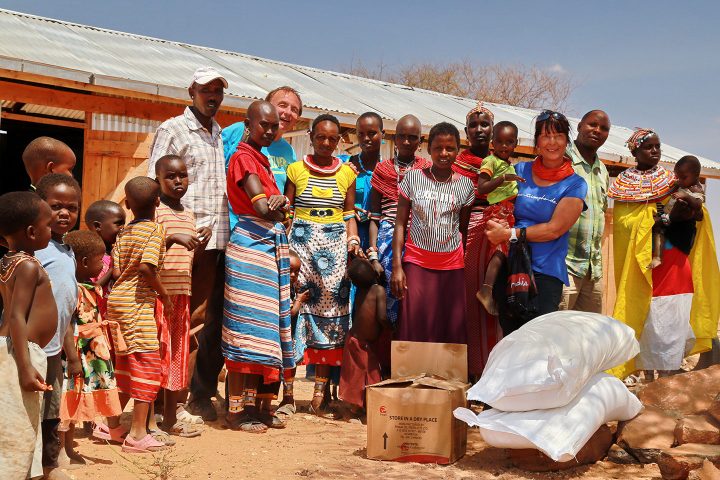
x=519, y=85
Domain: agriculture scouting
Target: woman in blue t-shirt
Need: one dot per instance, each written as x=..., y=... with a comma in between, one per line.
x=547, y=205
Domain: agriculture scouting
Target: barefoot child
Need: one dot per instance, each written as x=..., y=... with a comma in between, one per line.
x=94, y=392
x=28, y=323
x=498, y=181
x=677, y=222
x=62, y=193
x=137, y=257
x=182, y=239
x=107, y=219
x=361, y=366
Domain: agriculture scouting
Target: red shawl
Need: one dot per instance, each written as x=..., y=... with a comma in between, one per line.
x=385, y=178
x=468, y=164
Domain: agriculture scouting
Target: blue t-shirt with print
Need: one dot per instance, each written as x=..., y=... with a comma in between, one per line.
x=280, y=154
x=535, y=205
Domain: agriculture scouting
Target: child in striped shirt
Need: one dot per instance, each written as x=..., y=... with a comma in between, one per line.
x=183, y=238
x=137, y=258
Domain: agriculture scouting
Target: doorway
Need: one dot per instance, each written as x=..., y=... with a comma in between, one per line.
x=18, y=135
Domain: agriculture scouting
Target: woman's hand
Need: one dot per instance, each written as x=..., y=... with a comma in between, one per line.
x=361, y=215
x=355, y=250
x=276, y=202
x=398, y=285
x=497, y=233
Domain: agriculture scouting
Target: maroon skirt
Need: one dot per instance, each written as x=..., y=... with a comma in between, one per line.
x=360, y=368
x=433, y=309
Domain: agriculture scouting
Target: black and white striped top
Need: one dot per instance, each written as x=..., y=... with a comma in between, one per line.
x=321, y=192
x=435, y=224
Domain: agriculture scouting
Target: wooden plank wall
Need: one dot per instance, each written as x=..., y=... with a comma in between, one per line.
x=108, y=158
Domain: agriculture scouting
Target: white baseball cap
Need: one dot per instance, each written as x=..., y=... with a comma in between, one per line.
x=205, y=75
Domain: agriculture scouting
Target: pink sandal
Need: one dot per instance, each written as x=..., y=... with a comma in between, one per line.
x=104, y=432
x=146, y=444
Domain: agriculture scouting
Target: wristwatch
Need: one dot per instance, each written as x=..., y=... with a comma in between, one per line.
x=513, y=235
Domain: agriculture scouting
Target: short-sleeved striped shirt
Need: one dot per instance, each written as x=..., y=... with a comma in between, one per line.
x=132, y=300
x=435, y=212
x=176, y=272
x=202, y=151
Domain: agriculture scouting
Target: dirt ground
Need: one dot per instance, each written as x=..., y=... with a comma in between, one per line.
x=309, y=448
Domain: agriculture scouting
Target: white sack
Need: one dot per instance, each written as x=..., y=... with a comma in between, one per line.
x=561, y=432
x=546, y=362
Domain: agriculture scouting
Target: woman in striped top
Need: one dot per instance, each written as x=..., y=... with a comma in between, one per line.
x=322, y=191
x=429, y=277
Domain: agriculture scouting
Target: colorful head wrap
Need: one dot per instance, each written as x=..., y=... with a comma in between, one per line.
x=480, y=108
x=638, y=137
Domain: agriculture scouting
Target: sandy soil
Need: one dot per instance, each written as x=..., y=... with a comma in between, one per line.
x=310, y=448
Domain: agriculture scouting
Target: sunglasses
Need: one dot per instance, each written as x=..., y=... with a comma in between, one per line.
x=545, y=114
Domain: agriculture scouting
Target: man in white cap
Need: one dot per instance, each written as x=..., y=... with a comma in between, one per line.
x=195, y=137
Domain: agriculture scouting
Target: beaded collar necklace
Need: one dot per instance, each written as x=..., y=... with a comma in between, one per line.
x=322, y=170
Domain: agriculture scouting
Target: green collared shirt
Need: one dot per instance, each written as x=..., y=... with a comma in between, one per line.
x=585, y=240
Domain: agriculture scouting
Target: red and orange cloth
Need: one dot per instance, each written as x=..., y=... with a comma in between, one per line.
x=387, y=175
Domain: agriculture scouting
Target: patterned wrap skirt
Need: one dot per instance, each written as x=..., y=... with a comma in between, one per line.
x=324, y=320
x=256, y=310
x=385, y=256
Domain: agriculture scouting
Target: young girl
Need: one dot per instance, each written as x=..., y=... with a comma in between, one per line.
x=429, y=278
x=94, y=392
x=107, y=218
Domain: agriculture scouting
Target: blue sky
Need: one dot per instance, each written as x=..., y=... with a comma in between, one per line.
x=653, y=64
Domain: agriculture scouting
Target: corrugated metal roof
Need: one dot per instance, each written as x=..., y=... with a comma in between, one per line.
x=53, y=111
x=105, y=57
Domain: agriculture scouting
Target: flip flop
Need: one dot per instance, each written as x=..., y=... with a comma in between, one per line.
x=186, y=430
x=270, y=420
x=245, y=423
x=162, y=437
x=147, y=444
x=184, y=416
x=103, y=432
x=287, y=410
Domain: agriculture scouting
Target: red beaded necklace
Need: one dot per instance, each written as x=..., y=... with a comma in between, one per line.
x=322, y=170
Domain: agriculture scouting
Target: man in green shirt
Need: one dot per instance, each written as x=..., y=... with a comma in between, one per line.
x=584, y=259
